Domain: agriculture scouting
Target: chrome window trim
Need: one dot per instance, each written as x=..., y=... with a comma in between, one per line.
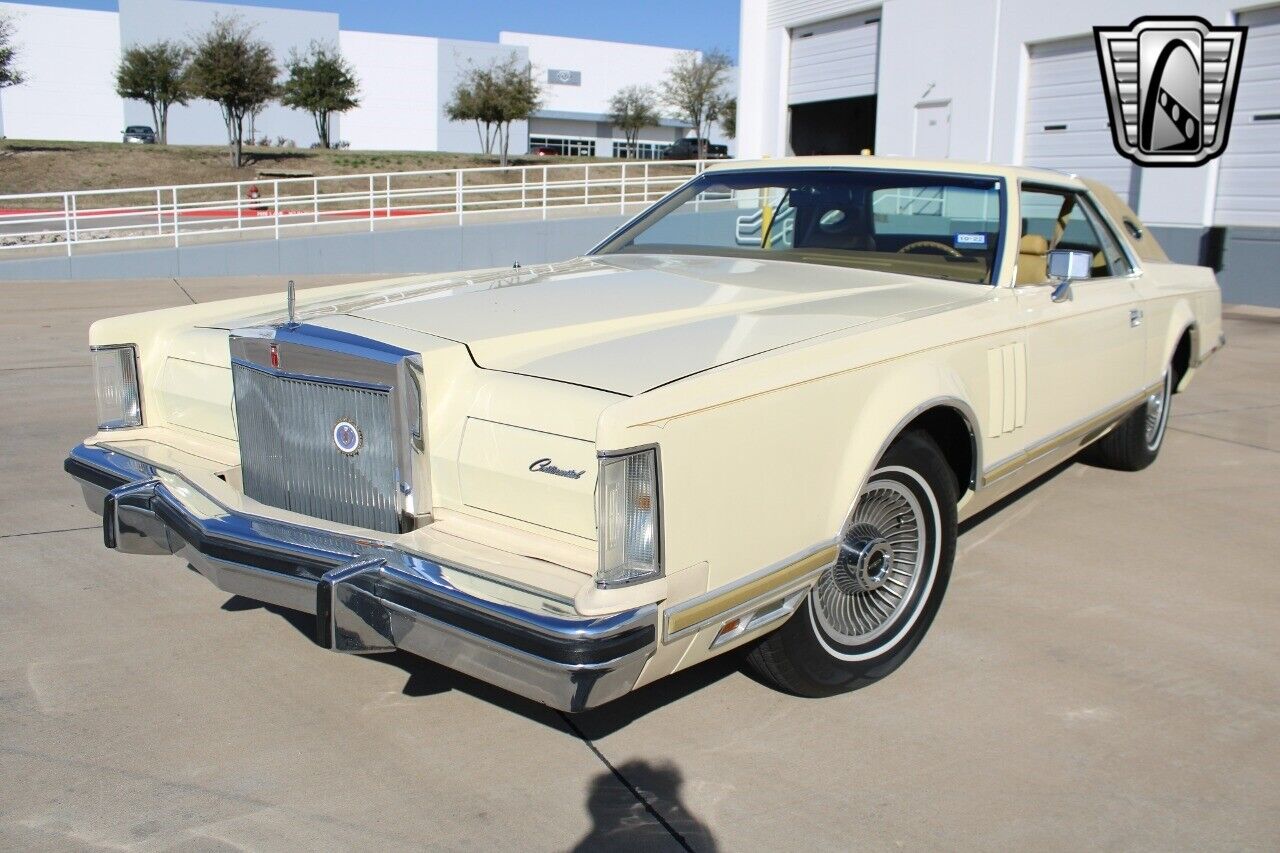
x=1135, y=266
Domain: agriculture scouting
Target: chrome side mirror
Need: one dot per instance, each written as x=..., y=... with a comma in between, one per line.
x=1068, y=266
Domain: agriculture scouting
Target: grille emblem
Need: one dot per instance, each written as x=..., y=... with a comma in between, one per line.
x=347, y=437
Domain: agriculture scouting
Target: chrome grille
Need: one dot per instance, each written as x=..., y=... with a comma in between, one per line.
x=288, y=456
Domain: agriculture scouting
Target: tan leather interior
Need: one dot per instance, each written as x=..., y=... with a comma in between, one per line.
x=1033, y=259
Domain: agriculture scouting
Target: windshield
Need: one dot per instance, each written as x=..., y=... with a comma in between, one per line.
x=915, y=223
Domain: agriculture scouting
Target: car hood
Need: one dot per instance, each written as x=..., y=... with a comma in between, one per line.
x=630, y=323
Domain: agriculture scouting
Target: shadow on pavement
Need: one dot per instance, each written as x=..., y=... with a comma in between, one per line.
x=426, y=678
x=644, y=812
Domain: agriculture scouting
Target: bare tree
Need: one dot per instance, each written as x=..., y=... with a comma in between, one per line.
x=692, y=89
x=155, y=74
x=237, y=72
x=322, y=82
x=10, y=74
x=633, y=108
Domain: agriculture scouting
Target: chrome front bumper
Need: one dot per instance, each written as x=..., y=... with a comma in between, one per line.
x=368, y=596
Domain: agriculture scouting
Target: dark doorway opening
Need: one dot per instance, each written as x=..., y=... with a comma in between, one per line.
x=844, y=126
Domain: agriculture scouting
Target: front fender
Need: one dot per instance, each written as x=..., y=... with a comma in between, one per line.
x=896, y=399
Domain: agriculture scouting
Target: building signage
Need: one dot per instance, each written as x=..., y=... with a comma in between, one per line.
x=561, y=77
x=1171, y=85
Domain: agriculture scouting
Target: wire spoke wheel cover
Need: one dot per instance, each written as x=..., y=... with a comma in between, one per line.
x=886, y=563
x=868, y=610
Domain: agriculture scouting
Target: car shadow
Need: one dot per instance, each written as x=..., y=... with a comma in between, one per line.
x=1015, y=496
x=424, y=678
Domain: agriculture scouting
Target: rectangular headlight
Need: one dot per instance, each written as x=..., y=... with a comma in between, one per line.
x=629, y=519
x=115, y=374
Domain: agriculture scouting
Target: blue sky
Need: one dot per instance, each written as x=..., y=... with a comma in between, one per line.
x=693, y=24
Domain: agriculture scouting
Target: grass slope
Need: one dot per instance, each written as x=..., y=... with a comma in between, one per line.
x=29, y=166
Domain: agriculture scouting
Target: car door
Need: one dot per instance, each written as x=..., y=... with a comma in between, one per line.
x=1085, y=354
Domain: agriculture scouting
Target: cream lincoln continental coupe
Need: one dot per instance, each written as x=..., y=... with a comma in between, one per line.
x=752, y=417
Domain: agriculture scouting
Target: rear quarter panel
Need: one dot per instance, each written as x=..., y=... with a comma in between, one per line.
x=1178, y=297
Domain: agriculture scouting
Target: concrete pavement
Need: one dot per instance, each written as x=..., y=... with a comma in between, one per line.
x=1105, y=673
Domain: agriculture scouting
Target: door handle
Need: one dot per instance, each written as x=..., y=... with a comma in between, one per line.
x=1135, y=317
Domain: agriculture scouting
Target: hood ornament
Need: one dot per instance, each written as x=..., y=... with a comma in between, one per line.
x=291, y=301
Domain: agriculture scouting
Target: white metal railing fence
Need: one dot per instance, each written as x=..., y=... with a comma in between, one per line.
x=273, y=206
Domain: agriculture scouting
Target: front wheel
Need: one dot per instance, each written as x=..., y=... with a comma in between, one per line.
x=867, y=613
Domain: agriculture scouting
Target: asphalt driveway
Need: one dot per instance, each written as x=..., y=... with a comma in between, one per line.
x=1105, y=673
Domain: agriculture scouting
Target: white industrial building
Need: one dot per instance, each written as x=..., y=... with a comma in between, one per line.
x=405, y=81
x=1013, y=81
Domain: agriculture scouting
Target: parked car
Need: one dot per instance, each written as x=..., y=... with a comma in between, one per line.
x=139, y=133
x=753, y=416
x=687, y=149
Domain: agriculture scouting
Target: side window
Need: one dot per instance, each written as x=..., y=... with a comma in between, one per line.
x=1065, y=220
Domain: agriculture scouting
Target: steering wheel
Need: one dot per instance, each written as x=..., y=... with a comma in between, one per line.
x=929, y=244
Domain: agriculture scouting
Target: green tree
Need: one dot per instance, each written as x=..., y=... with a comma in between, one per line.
x=155, y=74
x=633, y=108
x=237, y=72
x=322, y=82
x=10, y=74
x=692, y=90
x=468, y=104
x=494, y=97
x=728, y=117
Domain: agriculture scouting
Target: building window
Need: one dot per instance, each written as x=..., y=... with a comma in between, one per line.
x=644, y=150
x=565, y=145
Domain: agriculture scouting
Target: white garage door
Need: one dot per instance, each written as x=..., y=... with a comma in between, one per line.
x=1066, y=125
x=834, y=59
x=1249, y=174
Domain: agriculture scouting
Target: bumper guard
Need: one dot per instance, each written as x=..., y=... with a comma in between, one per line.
x=368, y=596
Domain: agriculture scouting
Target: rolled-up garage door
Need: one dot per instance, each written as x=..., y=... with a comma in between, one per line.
x=834, y=59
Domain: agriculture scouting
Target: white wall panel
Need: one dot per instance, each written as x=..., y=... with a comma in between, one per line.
x=604, y=68
x=69, y=57
x=1249, y=172
x=399, y=101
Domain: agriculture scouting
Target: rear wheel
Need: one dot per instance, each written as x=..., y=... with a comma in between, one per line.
x=868, y=612
x=1135, y=442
